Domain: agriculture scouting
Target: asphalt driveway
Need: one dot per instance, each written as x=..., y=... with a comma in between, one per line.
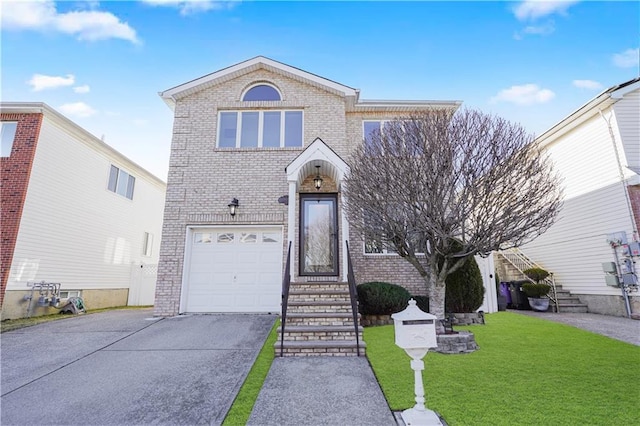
x=126, y=367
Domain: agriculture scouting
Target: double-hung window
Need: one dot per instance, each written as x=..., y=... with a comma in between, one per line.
x=260, y=129
x=121, y=182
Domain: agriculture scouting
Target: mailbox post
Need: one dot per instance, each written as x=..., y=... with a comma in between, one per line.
x=415, y=332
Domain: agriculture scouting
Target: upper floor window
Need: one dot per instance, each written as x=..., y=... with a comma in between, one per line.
x=262, y=92
x=260, y=129
x=7, y=135
x=372, y=126
x=121, y=182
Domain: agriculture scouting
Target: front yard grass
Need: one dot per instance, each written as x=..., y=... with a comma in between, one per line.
x=528, y=371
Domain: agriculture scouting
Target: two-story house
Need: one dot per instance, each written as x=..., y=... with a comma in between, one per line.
x=75, y=212
x=259, y=153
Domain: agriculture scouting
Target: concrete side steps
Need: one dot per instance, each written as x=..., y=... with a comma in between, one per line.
x=320, y=348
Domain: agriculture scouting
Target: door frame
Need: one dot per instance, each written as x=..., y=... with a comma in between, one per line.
x=336, y=247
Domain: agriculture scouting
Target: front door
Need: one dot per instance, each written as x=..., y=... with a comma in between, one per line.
x=318, y=234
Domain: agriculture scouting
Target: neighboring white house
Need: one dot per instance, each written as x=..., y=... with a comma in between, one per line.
x=74, y=212
x=597, y=152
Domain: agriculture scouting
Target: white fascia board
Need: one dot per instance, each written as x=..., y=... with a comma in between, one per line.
x=170, y=94
x=619, y=94
x=412, y=103
x=79, y=134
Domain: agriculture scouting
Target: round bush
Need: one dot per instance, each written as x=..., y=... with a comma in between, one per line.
x=380, y=298
x=464, y=288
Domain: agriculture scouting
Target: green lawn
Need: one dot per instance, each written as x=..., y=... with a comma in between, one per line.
x=243, y=404
x=527, y=371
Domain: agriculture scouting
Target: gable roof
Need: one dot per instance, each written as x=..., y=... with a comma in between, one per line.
x=605, y=99
x=253, y=64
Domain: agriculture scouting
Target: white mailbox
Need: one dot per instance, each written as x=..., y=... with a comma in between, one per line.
x=415, y=329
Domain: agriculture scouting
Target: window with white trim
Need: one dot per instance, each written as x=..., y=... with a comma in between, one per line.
x=121, y=182
x=262, y=92
x=260, y=129
x=371, y=126
x=7, y=135
x=65, y=294
x=148, y=244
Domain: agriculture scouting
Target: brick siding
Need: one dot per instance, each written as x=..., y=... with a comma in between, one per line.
x=16, y=170
x=203, y=179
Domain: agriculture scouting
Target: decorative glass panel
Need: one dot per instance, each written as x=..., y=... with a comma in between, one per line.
x=228, y=129
x=293, y=128
x=270, y=237
x=318, y=236
x=226, y=237
x=271, y=129
x=262, y=93
x=249, y=132
x=7, y=135
x=248, y=237
x=202, y=237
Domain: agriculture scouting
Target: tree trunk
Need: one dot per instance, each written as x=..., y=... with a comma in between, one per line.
x=436, y=293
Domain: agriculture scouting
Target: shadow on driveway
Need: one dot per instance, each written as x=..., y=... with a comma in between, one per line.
x=125, y=367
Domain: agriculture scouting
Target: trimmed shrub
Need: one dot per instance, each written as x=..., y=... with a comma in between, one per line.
x=536, y=274
x=536, y=290
x=380, y=298
x=464, y=288
x=422, y=302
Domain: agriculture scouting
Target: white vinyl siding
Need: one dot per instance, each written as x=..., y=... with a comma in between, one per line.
x=595, y=205
x=627, y=114
x=72, y=230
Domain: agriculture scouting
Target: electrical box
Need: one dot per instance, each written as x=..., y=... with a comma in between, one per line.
x=629, y=279
x=612, y=280
x=617, y=238
x=609, y=268
x=634, y=248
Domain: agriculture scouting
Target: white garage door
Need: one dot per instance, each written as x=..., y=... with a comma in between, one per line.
x=234, y=270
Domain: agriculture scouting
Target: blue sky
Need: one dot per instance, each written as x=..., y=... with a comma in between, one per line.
x=102, y=64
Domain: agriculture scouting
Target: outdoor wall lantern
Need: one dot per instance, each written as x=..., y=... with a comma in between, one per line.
x=317, y=182
x=415, y=332
x=233, y=205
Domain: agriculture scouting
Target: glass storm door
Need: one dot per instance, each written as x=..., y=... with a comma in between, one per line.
x=318, y=234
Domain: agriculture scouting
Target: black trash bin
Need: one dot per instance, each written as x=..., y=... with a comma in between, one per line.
x=519, y=298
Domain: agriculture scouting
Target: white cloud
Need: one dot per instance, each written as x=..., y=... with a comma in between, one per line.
x=84, y=24
x=189, y=7
x=40, y=82
x=587, y=84
x=82, y=89
x=77, y=109
x=541, y=30
x=628, y=59
x=526, y=94
x=534, y=9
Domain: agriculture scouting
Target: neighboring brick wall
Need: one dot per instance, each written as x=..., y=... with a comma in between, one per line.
x=15, y=173
x=203, y=179
x=634, y=195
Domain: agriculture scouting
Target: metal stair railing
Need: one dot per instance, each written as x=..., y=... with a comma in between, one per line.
x=521, y=262
x=353, y=295
x=286, y=283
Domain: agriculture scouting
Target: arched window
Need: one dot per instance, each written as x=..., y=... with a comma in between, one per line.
x=262, y=92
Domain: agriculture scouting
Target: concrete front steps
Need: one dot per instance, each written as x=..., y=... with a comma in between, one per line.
x=319, y=321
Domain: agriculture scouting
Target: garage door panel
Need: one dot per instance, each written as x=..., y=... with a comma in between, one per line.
x=239, y=272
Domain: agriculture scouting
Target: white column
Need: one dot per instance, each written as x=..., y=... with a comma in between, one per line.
x=291, y=224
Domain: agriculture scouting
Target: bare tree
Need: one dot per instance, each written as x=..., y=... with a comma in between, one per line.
x=424, y=182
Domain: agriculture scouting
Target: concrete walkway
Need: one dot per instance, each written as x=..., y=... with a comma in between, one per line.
x=318, y=391
x=124, y=367
x=625, y=329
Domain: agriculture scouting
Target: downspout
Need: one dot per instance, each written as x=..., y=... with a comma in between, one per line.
x=621, y=174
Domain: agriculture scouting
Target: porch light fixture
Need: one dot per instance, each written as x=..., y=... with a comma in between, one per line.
x=317, y=182
x=233, y=205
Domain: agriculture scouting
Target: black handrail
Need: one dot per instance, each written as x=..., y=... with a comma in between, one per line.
x=354, y=296
x=286, y=282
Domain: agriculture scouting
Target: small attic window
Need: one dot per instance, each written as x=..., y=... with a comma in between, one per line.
x=262, y=92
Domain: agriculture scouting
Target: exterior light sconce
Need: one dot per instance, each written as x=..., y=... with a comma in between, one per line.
x=233, y=206
x=317, y=181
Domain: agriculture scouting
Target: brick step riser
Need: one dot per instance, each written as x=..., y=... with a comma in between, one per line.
x=319, y=298
x=320, y=321
x=321, y=352
x=320, y=309
x=318, y=287
x=293, y=337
